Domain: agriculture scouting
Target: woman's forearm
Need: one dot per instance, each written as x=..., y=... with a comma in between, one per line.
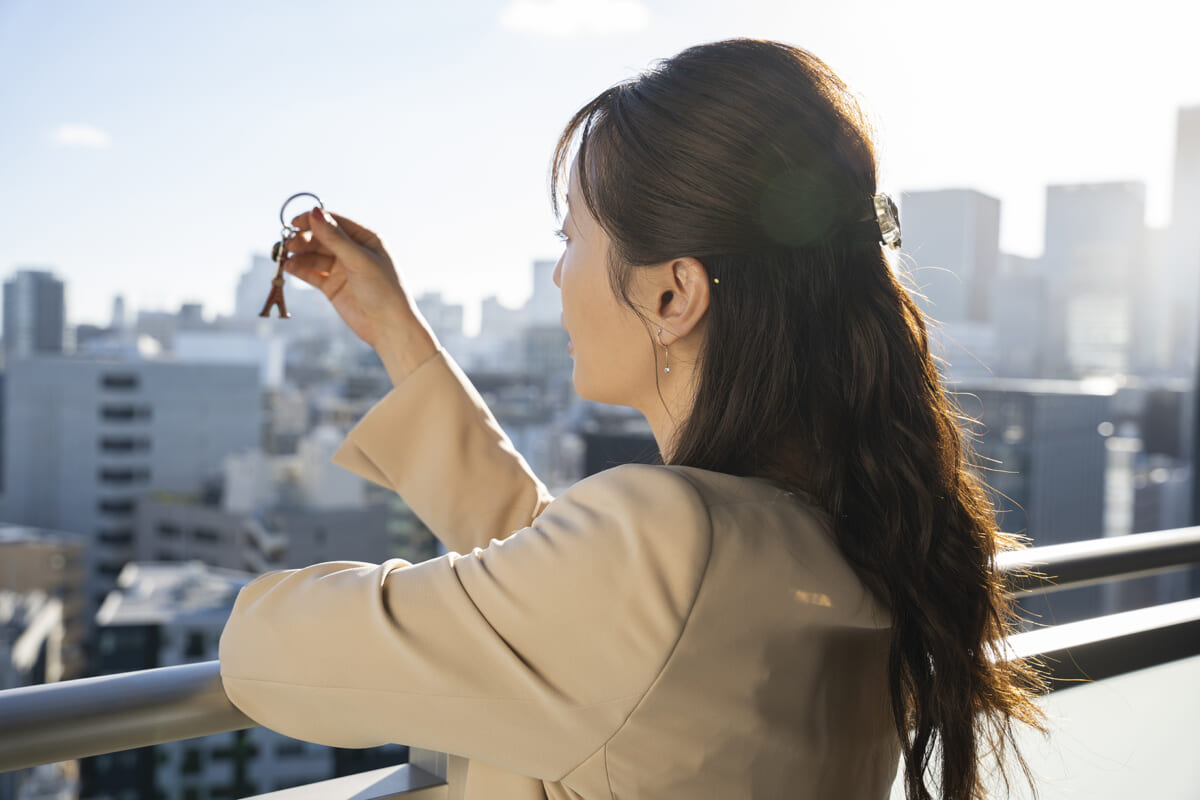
x=404, y=345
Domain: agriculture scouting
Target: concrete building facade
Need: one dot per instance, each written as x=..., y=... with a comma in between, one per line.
x=85, y=440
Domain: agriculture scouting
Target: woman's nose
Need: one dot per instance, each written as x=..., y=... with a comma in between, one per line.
x=558, y=273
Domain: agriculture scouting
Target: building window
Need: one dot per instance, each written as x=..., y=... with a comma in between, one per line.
x=289, y=749
x=124, y=413
x=110, y=570
x=119, y=381
x=191, y=764
x=116, y=536
x=166, y=555
x=207, y=535
x=116, y=505
x=123, y=475
x=124, y=444
x=168, y=530
x=195, y=644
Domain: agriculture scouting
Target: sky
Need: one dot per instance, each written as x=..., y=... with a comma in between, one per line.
x=146, y=147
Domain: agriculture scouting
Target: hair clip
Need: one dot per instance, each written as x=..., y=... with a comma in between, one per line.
x=279, y=255
x=889, y=220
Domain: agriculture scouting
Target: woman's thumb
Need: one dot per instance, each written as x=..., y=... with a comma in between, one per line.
x=329, y=233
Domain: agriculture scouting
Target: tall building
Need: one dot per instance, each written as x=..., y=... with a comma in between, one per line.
x=34, y=314
x=265, y=352
x=498, y=348
x=446, y=320
x=545, y=303
x=1182, y=285
x=308, y=308
x=1019, y=313
x=1042, y=452
x=84, y=440
x=168, y=529
x=253, y=287
x=1094, y=261
x=119, y=317
x=953, y=236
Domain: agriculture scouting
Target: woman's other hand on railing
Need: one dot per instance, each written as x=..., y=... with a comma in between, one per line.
x=351, y=267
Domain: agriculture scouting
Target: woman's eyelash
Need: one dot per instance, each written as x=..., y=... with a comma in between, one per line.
x=559, y=233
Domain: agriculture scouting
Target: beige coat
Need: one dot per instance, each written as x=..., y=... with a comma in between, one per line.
x=654, y=632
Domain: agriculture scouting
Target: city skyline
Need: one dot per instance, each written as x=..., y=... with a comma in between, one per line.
x=153, y=147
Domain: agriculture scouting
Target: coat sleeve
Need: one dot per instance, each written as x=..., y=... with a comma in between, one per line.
x=528, y=654
x=434, y=442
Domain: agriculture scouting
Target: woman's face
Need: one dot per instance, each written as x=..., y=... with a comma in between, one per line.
x=613, y=354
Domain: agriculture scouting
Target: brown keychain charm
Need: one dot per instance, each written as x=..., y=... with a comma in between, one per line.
x=279, y=255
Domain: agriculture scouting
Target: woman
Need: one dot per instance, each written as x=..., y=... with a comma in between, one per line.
x=802, y=595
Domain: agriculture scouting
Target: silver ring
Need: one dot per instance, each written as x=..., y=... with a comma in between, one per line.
x=283, y=208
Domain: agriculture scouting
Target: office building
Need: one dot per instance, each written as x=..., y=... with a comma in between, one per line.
x=266, y=351
x=173, y=530
x=253, y=287
x=309, y=309
x=85, y=440
x=1041, y=450
x=446, y=321
x=545, y=303
x=1181, y=290
x=1094, y=261
x=34, y=314
x=952, y=237
x=1020, y=311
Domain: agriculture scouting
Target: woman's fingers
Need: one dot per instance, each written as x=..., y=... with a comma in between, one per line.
x=301, y=221
x=363, y=236
x=304, y=242
x=312, y=268
x=328, y=232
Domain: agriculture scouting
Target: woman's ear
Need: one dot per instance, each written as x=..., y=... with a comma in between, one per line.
x=681, y=296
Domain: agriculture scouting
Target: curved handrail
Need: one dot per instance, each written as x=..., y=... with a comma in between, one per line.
x=90, y=716
x=1066, y=566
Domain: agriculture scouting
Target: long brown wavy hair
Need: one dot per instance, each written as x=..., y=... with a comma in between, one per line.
x=755, y=158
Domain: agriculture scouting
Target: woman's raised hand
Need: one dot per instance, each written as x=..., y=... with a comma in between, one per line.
x=351, y=267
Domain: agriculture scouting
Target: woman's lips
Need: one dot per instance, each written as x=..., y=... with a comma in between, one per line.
x=563, y=322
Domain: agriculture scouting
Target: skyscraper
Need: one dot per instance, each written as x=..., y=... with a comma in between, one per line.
x=1041, y=450
x=1182, y=285
x=34, y=314
x=545, y=304
x=953, y=235
x=1094, y=260
x=951, y=247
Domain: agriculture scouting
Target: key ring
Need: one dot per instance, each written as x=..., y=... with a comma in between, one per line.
x=288, y=229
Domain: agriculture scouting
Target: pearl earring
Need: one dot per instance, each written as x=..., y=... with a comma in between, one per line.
x=666, y=367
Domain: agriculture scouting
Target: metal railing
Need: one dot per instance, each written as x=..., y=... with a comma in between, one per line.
x=91, y=716
x=1077, y=564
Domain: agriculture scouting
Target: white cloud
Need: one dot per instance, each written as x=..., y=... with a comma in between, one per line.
x=566, y=18
x=80, y=136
